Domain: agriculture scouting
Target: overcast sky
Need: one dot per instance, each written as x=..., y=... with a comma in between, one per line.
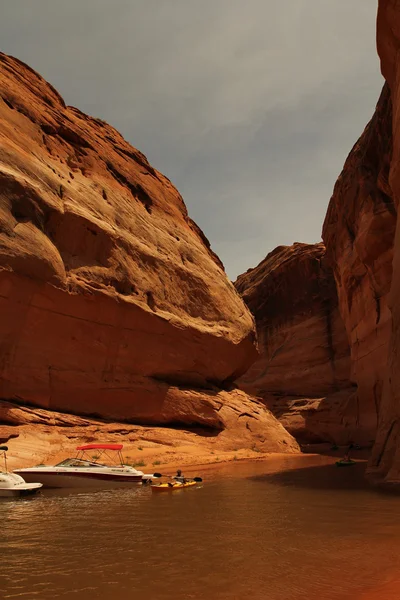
x=250, y=107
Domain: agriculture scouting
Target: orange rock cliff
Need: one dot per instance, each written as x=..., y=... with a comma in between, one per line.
x=303, y=373
x=361, y=233
x=112, y=304
x=358, y=232
x=385, y=462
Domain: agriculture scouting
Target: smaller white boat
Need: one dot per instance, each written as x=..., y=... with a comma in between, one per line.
x=12, y=485
x=87, y=471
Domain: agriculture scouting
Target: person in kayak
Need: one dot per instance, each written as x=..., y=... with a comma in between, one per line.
x=179, y=477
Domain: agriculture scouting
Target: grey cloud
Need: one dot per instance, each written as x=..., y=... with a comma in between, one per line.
x=249, y=107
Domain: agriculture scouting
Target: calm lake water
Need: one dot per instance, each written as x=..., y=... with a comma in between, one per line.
x=314, y=533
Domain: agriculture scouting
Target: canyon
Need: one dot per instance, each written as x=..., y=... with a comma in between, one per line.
x=117, y=316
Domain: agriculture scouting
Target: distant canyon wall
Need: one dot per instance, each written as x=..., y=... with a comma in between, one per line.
x=303, y=374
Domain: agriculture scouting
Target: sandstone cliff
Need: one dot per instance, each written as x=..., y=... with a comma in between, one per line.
x=358, y=233
x=303, y=373
x=362, y=237
x=385, y=462
x=112, y=303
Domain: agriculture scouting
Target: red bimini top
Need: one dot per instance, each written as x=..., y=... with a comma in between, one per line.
x=101, y=447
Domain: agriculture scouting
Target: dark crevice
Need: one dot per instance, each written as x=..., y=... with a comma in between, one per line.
x=137, y=191
x=150, y=301
x=183, y=384
x=135, y=155
x=388, y=202
x=28, y=209
x=68, y=135
x=72, y=137
x=388, y=435
x=6, y=101
x=123, y=287
x=48, y=129
x=378, y=309
x=351, y=233
x=26, y=114
x=376, y=401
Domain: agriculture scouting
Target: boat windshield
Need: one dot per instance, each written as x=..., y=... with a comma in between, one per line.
x=77, y=462
x=84, y=459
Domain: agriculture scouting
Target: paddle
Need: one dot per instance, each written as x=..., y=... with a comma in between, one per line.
x=198, y=479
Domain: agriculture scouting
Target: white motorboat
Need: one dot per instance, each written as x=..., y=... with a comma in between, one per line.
x=86, y=471
x=12, y=485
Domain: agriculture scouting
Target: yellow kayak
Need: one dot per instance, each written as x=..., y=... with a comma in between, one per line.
x=171, y=487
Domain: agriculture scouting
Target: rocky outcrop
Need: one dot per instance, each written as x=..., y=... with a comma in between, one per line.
x=247, y=430
x=361, y=232
x=358, y=233
x=303, y=373
x=112, y=303
x=385, y=462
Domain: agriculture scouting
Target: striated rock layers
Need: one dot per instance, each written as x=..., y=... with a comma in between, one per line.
x=385, y=462
x=112, y=303
x=303, y=373
x=361, y=233
x=358, y=233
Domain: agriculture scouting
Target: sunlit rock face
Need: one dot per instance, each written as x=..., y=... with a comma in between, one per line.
x=112, y=303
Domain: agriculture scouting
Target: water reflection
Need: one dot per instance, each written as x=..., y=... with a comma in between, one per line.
x=275, y=536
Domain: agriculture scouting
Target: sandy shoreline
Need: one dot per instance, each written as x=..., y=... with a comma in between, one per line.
x=161, y=451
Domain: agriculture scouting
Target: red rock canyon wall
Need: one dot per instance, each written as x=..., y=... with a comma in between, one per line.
x=303, y=373
x=385, y=462
x=358, y=233
x=112, y=303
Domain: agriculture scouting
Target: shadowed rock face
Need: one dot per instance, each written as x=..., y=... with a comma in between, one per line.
x=358, y=233
x=385, y=462
x=303, y=373
x=112, y=303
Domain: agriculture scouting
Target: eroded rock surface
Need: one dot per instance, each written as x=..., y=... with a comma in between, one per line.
x=385, y=462
x=112, y=303
x=358, y=233
x=248, y=430
x=303, y=373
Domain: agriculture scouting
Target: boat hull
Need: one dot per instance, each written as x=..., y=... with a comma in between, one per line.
x=17, y=491
x=65, y=479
